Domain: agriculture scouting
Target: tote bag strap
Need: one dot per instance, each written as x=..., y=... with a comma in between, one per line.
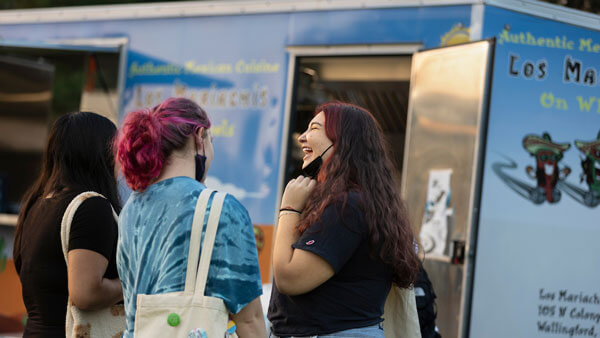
x=208, y=244
x=65, y=225
x=195, y=236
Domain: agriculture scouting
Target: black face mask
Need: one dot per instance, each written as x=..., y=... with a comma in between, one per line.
x=200, y=166
x=312, y=169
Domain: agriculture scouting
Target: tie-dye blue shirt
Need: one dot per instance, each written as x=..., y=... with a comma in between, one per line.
x=154, y=239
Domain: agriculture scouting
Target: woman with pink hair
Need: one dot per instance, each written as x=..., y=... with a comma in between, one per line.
x=164, y=154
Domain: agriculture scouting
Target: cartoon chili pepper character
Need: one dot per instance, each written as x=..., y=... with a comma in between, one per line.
x=546, y=172
x=591, y=169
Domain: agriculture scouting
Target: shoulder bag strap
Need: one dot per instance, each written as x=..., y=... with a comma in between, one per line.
x=195, y=237
x=65, y=225
x=208, y=244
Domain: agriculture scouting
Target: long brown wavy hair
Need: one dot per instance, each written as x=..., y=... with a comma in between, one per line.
x=359, y=162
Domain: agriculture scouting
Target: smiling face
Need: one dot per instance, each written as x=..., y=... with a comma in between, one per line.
x=314, y=140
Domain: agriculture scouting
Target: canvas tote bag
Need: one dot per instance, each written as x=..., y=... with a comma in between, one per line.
x=108, y=322
x=189, y=313
x=401, y=319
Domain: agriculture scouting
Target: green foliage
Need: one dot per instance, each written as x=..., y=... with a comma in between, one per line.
x=69, y=76
x=15, y=4
x=584, y=5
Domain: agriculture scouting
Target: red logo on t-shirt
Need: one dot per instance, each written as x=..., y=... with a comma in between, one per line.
x=311, y=242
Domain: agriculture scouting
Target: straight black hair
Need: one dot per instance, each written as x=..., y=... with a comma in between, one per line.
x=79, y=156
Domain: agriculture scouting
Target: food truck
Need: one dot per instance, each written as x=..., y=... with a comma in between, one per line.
x=490, y=108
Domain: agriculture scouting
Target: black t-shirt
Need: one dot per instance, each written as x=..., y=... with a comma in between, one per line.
x=40, y=262
x=354, y=297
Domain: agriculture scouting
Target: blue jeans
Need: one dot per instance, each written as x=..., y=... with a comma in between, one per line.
x=374, y=331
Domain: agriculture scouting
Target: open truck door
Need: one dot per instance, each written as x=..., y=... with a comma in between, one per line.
x=441, y=175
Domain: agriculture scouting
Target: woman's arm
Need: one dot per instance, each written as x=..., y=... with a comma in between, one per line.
x=296, y=271
x=88, y=289
x=250, y=320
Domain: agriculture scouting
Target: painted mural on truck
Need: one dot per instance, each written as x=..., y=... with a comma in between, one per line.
x=536, y=269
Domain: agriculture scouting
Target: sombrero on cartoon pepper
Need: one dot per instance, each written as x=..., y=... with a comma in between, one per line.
x=591, y=148
x=534, y=143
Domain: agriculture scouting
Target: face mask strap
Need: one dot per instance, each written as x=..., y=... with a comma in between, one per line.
x=323, y=153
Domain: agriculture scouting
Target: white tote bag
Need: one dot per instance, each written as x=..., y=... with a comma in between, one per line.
x=400, y=317
x=189, y=313
x=103, y=323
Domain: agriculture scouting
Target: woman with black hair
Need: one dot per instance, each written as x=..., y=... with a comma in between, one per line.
x=78, y=158
x=343, y=234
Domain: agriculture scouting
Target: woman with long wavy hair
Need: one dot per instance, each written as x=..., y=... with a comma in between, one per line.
x=78, y=158
x=343, y=236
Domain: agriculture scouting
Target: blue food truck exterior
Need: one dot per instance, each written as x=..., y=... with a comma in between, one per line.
x=520, y=251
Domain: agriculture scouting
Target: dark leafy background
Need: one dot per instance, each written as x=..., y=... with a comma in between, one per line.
x=584, y=5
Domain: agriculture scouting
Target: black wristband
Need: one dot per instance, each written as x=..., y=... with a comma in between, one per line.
x=289, y=209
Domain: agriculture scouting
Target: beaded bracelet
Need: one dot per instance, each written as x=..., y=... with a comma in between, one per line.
x=288, y=212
